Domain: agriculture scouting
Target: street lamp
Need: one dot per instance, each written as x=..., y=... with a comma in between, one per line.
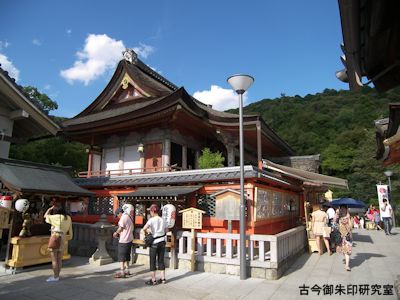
x=240, y=83
x=388, y=174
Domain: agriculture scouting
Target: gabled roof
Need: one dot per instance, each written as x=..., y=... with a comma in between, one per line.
x=28, y=177
x=158, y=101
x=155, y=86
x=29, y=121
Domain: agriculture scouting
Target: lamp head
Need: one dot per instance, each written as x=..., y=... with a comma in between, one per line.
x=240, y=83
x=140, y=148
x=388, y=173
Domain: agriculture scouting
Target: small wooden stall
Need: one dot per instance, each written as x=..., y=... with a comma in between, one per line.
x=41, y=185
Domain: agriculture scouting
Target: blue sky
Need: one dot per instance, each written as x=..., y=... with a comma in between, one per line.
x=69, y=49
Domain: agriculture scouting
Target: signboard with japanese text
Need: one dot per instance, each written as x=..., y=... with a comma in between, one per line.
x=192, y=218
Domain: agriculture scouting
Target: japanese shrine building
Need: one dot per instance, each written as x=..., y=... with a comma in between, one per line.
x=145, y=136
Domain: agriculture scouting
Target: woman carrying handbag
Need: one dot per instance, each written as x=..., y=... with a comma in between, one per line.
x=61, y=225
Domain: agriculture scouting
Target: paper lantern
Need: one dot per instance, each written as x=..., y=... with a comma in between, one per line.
x=22, y=205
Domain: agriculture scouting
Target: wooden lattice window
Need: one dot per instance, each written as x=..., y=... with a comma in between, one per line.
x=207, y=204
x=101, y=205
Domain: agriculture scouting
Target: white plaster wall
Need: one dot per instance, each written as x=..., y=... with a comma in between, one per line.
x=111, y=159
x=96, y=162
x=132, y=158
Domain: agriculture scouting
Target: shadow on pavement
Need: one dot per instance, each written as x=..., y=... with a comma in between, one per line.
x=359, y=258
x=298, y=263
x=357, y=237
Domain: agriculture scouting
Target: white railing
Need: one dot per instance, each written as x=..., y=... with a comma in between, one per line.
x=264, y=251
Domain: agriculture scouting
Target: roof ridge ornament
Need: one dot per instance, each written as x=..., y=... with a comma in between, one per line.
x=130, y=55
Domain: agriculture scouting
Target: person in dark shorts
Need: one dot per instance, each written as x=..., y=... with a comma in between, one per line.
x=155, y=225
x=125, y=234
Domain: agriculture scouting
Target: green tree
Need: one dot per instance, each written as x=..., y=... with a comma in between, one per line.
x=41, y=100
x=210, y=159
x=55, y=150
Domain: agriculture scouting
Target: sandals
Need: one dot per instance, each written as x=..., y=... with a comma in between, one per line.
x=119, y=275
x=151, y=282
x=162, y=281
x=348, y=269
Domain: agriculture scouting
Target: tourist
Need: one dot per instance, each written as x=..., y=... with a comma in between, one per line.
x=377, y=218
x=125, y=234
x=155, y=225
x=362, y=222
x=61, y=225
x=386, y=212
x=356, y=222
x=318, y=222
x=331, y=215
x=344, y=224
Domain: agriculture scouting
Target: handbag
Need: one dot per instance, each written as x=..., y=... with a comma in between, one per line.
x=326, y=231
x=54, y=241
x=148, y=240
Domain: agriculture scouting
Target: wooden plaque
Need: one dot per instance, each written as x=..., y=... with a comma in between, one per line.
x=192, y=218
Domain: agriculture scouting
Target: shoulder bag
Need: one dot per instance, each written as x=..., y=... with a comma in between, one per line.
x=55, y=240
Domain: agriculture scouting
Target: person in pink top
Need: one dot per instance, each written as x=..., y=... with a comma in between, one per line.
x=125, y=234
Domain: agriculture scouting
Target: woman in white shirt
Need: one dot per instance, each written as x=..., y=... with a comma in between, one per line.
x=155, y=226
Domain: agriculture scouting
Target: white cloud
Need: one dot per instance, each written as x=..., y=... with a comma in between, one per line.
x=4, y=45
x=47, y=87
x=36, y=42
x=100, y=53
x=69, y=31
x=7, y=65
x=143, y=50
x=220, y=98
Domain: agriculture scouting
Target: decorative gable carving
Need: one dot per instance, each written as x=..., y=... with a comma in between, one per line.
x=128, y=91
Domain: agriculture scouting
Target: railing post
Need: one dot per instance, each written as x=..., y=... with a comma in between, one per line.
x=228, y=248
x=274, y=252
x=261, y=251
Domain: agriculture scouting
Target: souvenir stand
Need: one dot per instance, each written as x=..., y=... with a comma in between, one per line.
x=38, y=186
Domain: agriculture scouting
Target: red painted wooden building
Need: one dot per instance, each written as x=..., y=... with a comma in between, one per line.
x=145, y=136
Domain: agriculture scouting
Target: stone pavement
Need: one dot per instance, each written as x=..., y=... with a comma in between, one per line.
x=375, y=263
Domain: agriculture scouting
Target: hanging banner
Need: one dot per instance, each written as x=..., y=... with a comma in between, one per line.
x=383, y=193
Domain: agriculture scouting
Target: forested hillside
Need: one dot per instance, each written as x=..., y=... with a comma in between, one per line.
x=340, y=126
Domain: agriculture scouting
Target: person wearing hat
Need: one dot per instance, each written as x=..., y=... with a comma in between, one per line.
x=155, y=225
x=125, y=235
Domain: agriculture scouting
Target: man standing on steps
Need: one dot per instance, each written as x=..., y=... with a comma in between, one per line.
x=386, y=213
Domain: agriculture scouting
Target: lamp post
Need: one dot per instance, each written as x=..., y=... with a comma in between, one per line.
x=240, y=83
x=388, y=174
